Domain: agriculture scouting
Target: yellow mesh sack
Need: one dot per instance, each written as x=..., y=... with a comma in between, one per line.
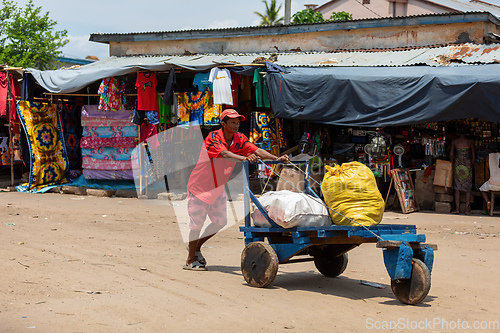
x=351, y=189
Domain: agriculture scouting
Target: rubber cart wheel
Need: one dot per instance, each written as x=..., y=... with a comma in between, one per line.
x=331, y=266
x=413, y=291
x=259, y=264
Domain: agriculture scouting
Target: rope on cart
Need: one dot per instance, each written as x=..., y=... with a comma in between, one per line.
x=308, y=176
x=320, y=201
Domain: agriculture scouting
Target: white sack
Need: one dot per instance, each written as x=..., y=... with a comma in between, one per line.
x=289, y=209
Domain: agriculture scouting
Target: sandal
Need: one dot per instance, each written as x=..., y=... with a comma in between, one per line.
x=195, y=266
x=199, y=257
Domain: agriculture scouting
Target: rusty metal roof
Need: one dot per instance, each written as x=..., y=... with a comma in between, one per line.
x=445, y=55
x=421, y=19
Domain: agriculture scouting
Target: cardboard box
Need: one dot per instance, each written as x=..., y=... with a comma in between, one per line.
x=444, y=174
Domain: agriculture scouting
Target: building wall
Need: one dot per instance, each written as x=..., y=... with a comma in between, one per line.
x=376, y=8
x=382, y=8
x=416, y=7
x=366, y=38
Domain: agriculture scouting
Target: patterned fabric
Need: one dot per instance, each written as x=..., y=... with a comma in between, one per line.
x=72, y=133
x=128, y=142
x=262, y=133
x=108, y=174
x=201, y=105
x=47, y=146
x=111, y=96
x=110, y=131
x=108, y=153
x=93, y=111
x=95, y=121
x=94, y=163
x=198, y=211
x=462, y=169
x=5, y=150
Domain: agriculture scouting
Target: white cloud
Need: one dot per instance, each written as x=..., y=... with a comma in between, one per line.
x=223, y=24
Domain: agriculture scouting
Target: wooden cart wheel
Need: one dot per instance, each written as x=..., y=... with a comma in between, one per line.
x=331, y=266
x=413, y=291
x=259, y=264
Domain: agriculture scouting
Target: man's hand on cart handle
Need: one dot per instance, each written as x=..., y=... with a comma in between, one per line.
x=284, y=158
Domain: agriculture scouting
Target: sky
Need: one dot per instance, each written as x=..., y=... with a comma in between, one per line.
x=82, y=18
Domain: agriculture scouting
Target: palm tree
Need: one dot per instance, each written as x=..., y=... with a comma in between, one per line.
x=271, y=15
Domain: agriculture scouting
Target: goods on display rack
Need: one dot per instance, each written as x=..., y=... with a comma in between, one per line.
x=107, y=142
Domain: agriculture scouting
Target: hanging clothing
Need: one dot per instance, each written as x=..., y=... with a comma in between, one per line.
x=202, y=82
x=28, y=87
x=261, y=98
x=139, y=116
x=197, y=107
x=235, y=86
x=462, y=169
x=221, y=81
x=111, y=96
x=147, y=131
x=147, y=99
x=14, y=90
x=164, y=112
x=71, y=119
x=168, y=96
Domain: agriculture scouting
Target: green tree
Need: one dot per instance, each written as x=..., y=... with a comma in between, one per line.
x=340, y=16
x=311, y=16
x=28, y=38
x=307, y=16
x=270, y=17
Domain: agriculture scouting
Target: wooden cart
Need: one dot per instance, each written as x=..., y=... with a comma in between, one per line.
x=407, y=258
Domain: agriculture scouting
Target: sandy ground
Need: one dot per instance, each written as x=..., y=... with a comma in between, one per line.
x=91, y=264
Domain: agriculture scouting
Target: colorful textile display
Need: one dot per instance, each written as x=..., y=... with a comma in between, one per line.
x=72, y=134
x=110, y=131
x=95, y=121
x=201, y=104
x=108, y=174
x=48, y=158
x=111, y=96
x=262, y=131
x=128, y=142
x=100, y=164
x=108, y=153
x=93, y=111
x=107, y=142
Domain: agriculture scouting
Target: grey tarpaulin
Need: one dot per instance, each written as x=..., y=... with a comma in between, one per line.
x=386, y=96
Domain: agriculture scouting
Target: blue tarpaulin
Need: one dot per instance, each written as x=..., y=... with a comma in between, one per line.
x=386, y=96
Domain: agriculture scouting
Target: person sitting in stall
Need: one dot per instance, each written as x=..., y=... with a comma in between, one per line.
x=206, y=184
x=493, y=184
x=462, y=155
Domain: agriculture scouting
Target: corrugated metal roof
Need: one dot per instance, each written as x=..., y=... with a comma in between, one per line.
x=469, y=15
x=468, y=6
x=447, y=55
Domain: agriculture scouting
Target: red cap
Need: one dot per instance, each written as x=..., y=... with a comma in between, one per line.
x=231, y=114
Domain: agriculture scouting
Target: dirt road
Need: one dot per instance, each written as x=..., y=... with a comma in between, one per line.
x=91, y=264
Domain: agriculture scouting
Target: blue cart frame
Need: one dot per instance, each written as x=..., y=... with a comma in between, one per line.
x=407, y=258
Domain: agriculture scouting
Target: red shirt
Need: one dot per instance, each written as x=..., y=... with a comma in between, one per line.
x=147, y=98
x=211, y=173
